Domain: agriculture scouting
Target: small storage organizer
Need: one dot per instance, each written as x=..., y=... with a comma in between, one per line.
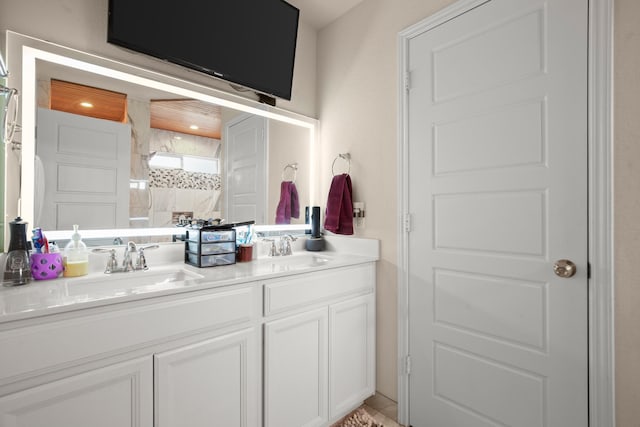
x=211, y=245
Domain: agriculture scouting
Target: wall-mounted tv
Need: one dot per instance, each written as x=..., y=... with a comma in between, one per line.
x=248, y=42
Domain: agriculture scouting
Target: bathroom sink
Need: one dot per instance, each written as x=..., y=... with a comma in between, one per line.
x=131, y=283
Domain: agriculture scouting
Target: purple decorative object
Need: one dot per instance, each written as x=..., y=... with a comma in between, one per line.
x=46, y=266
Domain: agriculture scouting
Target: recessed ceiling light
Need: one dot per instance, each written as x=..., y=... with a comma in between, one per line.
x=194, y=127
x=86, y=104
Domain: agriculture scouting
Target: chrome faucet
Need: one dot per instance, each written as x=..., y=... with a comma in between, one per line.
x=283, y=248
x=128, y=263
x=285, y=244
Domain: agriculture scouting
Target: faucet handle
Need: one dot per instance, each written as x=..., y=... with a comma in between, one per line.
x=112, y=262
x=148, y=247
x=141, y=263
x=274, y=249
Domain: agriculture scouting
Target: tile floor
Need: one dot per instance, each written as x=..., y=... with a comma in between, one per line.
x=383, y=410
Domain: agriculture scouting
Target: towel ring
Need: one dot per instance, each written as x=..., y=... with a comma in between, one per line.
x=294, y=168
x=344, y=156
x=10, y=124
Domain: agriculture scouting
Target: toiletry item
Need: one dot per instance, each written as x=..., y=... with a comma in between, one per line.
x=315, y=221
x=17, y=268
x=40, y=243
x=316, y=241
x=76, y=256
x=245, y=253
x=18, y=235
x=46, y=266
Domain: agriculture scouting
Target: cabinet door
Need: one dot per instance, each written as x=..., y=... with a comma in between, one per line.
x=296, y=370
x=119, y=395
x=213, y=382
x=351, y=353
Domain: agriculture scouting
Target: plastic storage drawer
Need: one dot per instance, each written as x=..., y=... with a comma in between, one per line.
x=210, y=260
x=207, y=236
x=211, y=248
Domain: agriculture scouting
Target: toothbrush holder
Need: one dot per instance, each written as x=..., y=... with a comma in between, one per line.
x=46, y=266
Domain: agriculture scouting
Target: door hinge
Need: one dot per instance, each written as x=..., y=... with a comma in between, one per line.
x=407, y=222
x=407, y=81
x=588, y=270
x=408, y=364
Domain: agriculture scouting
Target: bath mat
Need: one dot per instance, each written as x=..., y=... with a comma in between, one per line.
x=358, y=418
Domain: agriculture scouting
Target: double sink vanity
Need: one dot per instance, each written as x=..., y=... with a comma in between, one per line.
x=274, y=342
x=282, y=341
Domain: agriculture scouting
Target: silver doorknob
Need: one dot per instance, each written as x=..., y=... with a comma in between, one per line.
x=564, y=268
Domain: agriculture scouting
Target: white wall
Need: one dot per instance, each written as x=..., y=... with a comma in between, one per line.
x=82, y=24
x=627, y=210
x=286, y=146
x=357, y=108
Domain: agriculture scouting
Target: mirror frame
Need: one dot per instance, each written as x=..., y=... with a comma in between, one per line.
x=23, y=52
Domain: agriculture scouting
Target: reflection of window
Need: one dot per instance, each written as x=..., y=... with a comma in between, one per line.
x=184, y=162
x=137, y=184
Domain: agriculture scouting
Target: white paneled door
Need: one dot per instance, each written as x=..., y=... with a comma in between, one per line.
x=82, y=172
x=497, y=193
x=246, y=160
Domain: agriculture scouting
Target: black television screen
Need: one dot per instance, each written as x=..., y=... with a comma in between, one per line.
x=248, y=42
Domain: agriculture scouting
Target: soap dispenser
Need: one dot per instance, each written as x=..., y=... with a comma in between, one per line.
x=76, y=256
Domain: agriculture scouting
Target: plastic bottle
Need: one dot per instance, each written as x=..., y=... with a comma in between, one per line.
x=76, y=256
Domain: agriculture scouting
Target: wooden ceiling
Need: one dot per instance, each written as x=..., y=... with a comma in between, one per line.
x=177, y=115
x=106, y=104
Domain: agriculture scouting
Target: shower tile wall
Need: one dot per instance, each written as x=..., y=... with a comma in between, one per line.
x=174, y=190
x=138, y=115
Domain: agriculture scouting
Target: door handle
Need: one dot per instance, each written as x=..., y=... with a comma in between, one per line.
x=564, y=268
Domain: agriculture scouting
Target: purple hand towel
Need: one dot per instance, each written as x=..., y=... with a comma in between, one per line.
x=339, y=214
x=289, y=205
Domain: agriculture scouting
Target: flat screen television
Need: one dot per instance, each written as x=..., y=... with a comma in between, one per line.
x=248, y=42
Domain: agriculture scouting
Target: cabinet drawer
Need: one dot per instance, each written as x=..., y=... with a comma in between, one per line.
x=303, y=290
x=93, y=336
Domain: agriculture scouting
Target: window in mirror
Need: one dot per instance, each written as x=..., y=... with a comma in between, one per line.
x=184, y=162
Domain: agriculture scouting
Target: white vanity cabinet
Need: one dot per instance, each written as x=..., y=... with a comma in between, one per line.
x=115, y=395
x=212, y=382
x=270, y=348
x=187, y=359
x=319, y=345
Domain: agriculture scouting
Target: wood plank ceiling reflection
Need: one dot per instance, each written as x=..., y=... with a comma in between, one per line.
x=106, y=104
x=179, y=115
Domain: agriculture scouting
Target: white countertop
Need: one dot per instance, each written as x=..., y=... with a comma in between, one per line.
x=40, y=298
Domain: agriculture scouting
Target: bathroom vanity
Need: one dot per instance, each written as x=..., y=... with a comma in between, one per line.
x=278, y=341
x=275, y=342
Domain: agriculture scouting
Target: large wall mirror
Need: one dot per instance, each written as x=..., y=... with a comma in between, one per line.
x=146, y=169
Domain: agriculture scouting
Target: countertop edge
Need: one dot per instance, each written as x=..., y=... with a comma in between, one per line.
x=212, y=278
